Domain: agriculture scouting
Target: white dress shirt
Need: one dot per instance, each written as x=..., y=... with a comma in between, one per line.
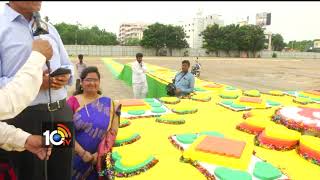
x=15, y=97
x=139, y=73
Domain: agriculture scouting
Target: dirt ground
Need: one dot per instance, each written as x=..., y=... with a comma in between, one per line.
x=261, y=74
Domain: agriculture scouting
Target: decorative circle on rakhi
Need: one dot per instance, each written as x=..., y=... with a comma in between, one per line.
x=158, y=110
x=170, y=100
x=275, y=93
x=170, y=119
x=184, y=110
x=309, y=148
x=299, y=118
x=201, y=98
x=124, y=138
x=136, y=112
x=302, y=100
x=252, y=93
x=277, y=137
x=149, y=100
x=155, y=104
x=254, y=125
x=229, y=95
x=131, y=166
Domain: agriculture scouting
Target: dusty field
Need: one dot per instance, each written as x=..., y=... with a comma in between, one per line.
x=261, y=74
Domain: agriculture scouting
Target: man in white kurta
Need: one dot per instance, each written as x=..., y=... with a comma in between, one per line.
x=139, y=79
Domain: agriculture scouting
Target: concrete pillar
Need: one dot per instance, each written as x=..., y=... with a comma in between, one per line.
x=269, y=45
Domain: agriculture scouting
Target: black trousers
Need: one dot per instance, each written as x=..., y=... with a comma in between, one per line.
x=28, y=166
x=78, y=84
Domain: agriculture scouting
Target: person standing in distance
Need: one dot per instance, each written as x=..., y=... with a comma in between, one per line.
x=80, y=67
x=139, y=79
x=16, y=37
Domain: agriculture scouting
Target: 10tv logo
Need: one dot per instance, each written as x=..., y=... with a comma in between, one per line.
x=60, y=136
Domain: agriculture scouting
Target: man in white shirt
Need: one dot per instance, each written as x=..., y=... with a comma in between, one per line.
x=139, y=79
x=17, y=95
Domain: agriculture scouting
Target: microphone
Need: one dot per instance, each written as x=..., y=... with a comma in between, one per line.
x=39, y=27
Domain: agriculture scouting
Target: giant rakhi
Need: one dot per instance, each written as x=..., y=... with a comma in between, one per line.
x=299, y=118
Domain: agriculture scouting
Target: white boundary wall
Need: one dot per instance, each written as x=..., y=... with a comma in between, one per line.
x=94, y=50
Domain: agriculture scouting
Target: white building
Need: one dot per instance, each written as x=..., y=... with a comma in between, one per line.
x=242, y=23
x=194, y=27
x=131, y=30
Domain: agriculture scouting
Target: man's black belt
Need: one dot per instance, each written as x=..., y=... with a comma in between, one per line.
x=54, y=106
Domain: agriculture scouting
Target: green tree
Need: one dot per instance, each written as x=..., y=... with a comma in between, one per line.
x=75, y=34
x=175, y=38
x=154, y=37
x=277, y=42
x=132, y=42
x=212, y=38
x=164, y=36
x=67, y=32
x=300, y=45
x=230, y=40
x=251, y=38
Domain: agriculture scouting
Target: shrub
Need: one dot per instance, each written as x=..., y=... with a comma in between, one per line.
x=274, y=55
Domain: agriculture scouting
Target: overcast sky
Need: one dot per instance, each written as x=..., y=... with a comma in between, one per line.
x=293, y=20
